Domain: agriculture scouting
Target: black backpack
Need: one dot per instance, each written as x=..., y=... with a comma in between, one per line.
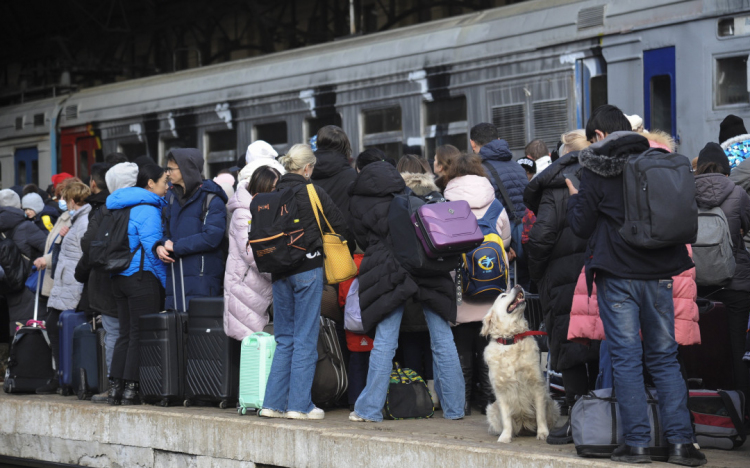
x=110, y=248
x=276, y=237
x=659, y=195
x=15, y=265
x=408, y=249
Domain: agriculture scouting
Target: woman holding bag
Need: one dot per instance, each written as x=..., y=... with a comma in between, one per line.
x=296, y=298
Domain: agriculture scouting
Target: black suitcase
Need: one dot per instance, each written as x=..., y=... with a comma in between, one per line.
x=162, y=355
x=213, y=358
x=710, y=361
x=85, y=365
x=330, y=381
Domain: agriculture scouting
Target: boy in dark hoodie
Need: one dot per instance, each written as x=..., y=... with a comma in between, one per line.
x=634, y=292
x=195, y=222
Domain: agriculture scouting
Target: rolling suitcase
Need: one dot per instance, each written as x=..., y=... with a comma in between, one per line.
x=711, y=361
x=162, y=354
x=30, y=363
x=330, y=381
x=69, y=320
x=85, y=365
x=256, y=358
x=212, y=369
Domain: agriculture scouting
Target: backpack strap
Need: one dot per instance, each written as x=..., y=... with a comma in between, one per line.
x=206, y=205
x=736, y=420
x=503, y=192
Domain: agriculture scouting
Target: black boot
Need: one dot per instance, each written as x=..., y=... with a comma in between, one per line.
x=102, y=397
x=629, y=454
x=49, y=388
x=486, y=393
x=466, y=358
x=130, y=394
x=686, y=455
x=115, y=392
x=563, y=435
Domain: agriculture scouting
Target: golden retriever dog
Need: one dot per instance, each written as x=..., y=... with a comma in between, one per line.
x=522, y=398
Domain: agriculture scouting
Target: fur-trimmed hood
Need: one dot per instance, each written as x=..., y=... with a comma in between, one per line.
x=421, y=184
x=737, y=149
x=659, y=139
x=607, y=157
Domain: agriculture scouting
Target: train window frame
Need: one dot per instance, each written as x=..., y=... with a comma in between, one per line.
x=217, y=159
x=451, y=130
x=265, y=123
x=164, y=149
x=715, y=72
x=385, y=139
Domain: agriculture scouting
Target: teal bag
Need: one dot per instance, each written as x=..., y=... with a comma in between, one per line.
x=256, y=357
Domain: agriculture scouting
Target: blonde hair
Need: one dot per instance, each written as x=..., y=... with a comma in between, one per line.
x=78, y=192
x=297, y=158
x=62, y=186
x=573, y=141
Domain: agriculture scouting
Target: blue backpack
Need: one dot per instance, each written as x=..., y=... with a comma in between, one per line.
x=485, y=269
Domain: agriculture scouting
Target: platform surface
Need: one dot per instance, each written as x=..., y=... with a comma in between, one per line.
x=65, y=430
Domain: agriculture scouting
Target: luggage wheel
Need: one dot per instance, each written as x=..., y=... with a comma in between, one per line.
x=164, y=402
x=223, y=404
x=242, y=411
x=65, y=391
x=186, y=403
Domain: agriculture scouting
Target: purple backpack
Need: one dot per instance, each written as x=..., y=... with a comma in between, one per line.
x=447, y=228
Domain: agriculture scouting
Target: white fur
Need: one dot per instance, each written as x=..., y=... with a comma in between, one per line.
x=522, y=397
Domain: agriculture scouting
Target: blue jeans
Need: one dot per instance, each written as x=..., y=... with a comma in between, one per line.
x=296, y=325
x=449, y=380
x=112, y=327
x=627, y=306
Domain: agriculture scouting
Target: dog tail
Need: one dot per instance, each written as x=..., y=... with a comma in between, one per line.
x=553, y=412
x=494, y=418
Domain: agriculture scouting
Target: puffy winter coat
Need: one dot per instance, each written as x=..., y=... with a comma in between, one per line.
x=197, y=238
x=478, y=192
x=50, y=211
x=511, y=173
x=586, y=325
x=247, y=292
x=714, y=190
x=53, y=237
x=97, y=285
x=556, y=257
x=737, y=149
x=384, y=284
x=741, y=176
x=334, y=174
x=66, y=292
x=144, y=229
x=27, y=235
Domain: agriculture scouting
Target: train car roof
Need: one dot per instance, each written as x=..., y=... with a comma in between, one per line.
x=27, y=112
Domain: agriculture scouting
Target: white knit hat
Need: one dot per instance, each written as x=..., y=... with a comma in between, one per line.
x=636, y=122
x=247, y=172
x=121, y=175
x=259, y=150
x=32, y=201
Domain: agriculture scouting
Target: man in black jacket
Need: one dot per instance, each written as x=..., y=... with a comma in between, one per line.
x=634, y=293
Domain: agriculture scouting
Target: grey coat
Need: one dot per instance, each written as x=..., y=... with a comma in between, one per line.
x=66, y=292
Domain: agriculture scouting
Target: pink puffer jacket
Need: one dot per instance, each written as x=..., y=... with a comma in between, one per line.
x=247, y=292
x=586, y=325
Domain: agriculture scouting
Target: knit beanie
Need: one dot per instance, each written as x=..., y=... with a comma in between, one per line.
x=712, y=153
x=731, y=127
x=57, y=178
x=121, y=175
x=10, y=198
x=259, y=150
x=32, y=201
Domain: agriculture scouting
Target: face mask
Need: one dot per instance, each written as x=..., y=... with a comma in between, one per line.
x=73, y=212
x=63, y=206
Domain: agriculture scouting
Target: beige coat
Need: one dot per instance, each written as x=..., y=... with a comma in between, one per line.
x=63, y=220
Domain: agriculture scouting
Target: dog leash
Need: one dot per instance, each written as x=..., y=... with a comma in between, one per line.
x=519, y=337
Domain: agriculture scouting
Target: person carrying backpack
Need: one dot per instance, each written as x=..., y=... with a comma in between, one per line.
x=297, y=295
x=139, y=289
x=634, y=285
x=466, y=180
x=195, y=224
x=715, y=189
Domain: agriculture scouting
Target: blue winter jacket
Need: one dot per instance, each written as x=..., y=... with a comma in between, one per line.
x=196, y=242
x=513, y=176
x=144, y=229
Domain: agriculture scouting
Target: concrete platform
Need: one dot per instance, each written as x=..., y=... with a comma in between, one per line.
x=65, y=430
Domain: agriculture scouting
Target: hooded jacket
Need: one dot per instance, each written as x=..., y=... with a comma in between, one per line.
x=714, y=190
x=27, y=235
x=53, y=238
x=556, y=257
x=740, y=175
x=513, y=176
x=247, y=292
x=737, y=149
x=121, y=175
x=196, y=238
x=144, y=229
x=66, y=292
x=597, y=212
x=384, y=284
x=334, y=174
x=97, y=285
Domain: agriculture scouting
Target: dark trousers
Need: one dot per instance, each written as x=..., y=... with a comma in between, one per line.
x=417, y=353
x=470, y=346
x=358, y=365
x=737, y=304
x=135, y=295
x=53, y=332
x=578, y=381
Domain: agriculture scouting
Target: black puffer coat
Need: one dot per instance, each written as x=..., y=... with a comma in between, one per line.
x=334, y=174
x=383, y=283
x=27, y=235
x=556, y=258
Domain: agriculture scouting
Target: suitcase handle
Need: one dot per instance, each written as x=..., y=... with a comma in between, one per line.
x=182, y=287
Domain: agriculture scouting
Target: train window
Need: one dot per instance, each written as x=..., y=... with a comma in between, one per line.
x=313, y=124
x=731, y=81
x=661, y=103
x=83, y=165
x=382, y=120
x=445, y=111
x=511, y=124
x=133, y=150
x=35, y=172
x=392, y=150
x=726, y=27
x=460, y=141
x=598, y=91
x=272, y=133
x=21, y=173
x=222, y=150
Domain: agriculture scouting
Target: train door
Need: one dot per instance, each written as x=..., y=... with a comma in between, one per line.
x=591, y=87
x=80, y=149
x=659, y=88
x=26, y=163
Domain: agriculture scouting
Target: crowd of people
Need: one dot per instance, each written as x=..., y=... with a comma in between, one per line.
x=557, y=212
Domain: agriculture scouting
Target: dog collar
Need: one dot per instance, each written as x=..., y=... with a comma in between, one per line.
x=516, y=338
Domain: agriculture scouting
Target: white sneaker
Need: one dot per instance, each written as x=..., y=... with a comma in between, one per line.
x=356, y=418
x=316, y=413
x=269, y=413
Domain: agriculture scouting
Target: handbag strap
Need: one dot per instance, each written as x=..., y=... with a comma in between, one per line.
x=736, y=420
x=503, y=192
x=317, y=206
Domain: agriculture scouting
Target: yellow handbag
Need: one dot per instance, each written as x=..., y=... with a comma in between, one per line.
x=339, y=264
